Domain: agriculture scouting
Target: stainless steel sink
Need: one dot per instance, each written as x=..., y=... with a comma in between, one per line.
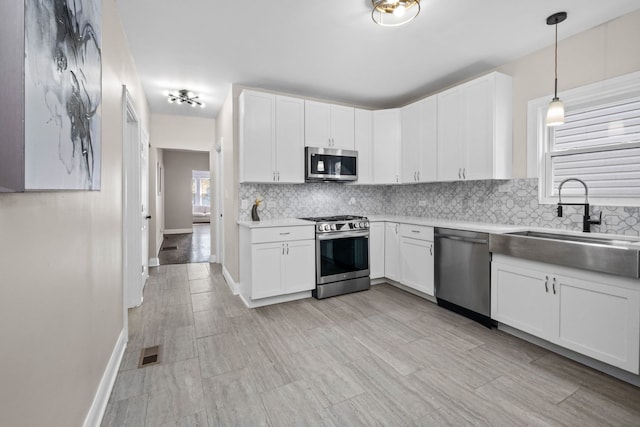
x=613, y=256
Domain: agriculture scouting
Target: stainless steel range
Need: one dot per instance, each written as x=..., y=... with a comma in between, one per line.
x=342, y=255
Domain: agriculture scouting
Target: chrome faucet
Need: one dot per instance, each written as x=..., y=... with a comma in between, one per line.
x=586, y=218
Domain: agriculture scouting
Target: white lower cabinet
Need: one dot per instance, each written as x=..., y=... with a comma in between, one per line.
x=276, y=261
x=376, y=250
x=392, y=251
x=594, y=314
x=416, y=254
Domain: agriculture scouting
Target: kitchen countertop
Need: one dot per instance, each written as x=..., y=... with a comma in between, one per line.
x=284, y=222
x=459, y=225
x=432, y=222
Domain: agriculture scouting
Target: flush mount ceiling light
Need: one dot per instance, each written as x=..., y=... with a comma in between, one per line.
x=392, y=13
x=555, y=112
x=184, y=96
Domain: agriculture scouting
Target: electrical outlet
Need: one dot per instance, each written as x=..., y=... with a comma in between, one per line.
x=244, y=204
x=352, y=201
x=422, y=203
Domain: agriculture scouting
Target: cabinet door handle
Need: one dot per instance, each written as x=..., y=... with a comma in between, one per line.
x=546, y=284
x=554, y=285
x=464, y=173
x=283, y=249
x=431, y=249
x=287, y=249
x=278, y=176
x=285, y=233
x=459, y=176
x=274, y=176
x=418, y=176
x=396, y=228
x=415, y=231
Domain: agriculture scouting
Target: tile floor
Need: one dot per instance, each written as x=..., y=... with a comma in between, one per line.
x=377, y=358
x=191, y=247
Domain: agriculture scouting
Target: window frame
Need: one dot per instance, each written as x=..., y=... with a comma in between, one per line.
x=198, y=176
x=539, y=136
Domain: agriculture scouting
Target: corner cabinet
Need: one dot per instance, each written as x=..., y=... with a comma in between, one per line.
x=328, y=125
x=475, y=129
x=271, y=129
x=594, y=314
x=419, y=141
x=416, y=253
x=276, y=261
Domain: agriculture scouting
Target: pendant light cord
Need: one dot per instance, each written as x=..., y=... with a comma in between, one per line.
x=555, y=92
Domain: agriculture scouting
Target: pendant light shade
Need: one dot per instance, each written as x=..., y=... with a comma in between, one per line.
x=392, y=13
x=555, y=111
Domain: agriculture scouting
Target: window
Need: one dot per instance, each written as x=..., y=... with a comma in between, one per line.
x=200, y=188
x=599, y=144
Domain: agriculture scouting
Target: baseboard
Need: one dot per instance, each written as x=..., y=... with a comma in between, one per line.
x=230, y=282
x=212, y=259
x=410, y=290
x=275, y=300
x=154, y=262
x=100, y=400
x=179, y=231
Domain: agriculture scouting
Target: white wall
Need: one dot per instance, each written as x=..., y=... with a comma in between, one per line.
x=61, y=296
x=182, y=132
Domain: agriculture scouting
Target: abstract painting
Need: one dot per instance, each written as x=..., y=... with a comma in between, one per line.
x=63, y=90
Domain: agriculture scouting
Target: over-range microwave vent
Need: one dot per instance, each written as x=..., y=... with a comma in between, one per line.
x=330, y=165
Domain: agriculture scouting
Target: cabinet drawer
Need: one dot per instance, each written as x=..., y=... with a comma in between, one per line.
x=281, y=234
x=421, y=232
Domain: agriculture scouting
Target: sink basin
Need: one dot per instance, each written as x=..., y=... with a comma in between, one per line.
x=578, y=239
x=612, y=256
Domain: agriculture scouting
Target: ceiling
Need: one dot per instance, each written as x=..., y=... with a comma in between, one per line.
x=332, y=50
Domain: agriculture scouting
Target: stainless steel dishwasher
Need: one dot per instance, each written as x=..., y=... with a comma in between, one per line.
x=463, y=273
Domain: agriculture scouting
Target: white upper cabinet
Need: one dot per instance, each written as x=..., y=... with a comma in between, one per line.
x=419, y=141
x=386, y=146
x=328, y=125
x=474, y=129
x=271, y=138
x=364, y=145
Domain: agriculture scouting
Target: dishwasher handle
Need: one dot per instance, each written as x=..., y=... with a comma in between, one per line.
x=462, y=239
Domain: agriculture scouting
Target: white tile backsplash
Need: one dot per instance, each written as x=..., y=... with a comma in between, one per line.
x=492, y=201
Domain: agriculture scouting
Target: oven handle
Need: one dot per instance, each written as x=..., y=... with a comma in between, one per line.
x=342, y=235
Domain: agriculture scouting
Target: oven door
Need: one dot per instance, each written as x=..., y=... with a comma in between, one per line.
x=342, y=256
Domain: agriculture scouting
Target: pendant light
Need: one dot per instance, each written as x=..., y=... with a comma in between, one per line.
x=555, y=112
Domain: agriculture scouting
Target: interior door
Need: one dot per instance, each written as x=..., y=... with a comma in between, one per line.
x=144, y=199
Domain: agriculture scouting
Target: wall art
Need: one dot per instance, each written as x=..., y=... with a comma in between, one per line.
x=63, y=73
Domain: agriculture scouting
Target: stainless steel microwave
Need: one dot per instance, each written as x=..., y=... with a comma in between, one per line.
x=330, y=164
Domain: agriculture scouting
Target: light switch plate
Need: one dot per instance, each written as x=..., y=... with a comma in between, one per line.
x=244, y=204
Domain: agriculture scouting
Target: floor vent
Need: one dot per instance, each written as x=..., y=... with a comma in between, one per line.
x=169, y=248
x=149, y=356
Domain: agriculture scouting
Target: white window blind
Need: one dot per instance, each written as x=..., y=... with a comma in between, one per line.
x=600, y=144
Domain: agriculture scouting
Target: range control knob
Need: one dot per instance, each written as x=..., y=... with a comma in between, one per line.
x=333, y=227
x=356, y=225
x=366, y=225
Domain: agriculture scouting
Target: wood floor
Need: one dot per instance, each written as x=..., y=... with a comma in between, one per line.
x=187, y=248
x=381, y=357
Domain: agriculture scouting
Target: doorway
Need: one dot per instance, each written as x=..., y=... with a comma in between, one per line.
x=134, y=211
